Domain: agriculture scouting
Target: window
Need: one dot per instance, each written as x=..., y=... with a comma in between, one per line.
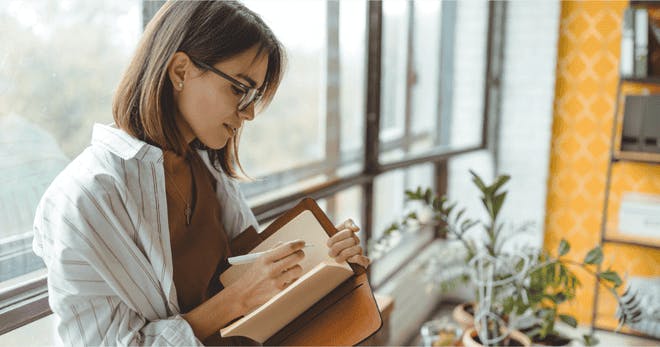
x=397, y=61
x=58, y=63
x=316, y=115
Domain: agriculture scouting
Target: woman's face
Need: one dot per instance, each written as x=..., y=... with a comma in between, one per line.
x=207, y=104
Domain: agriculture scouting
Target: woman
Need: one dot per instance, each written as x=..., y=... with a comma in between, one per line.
x=136, y=230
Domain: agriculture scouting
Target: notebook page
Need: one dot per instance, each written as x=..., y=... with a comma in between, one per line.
x=305, y=227
x=290, y=303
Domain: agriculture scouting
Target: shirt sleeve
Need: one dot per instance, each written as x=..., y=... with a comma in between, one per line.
x=97, y=297
x=107, y=321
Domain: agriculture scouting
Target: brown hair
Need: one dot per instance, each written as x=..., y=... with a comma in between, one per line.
x=210, y=31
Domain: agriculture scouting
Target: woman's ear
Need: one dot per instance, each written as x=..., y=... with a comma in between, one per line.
x=178, y=69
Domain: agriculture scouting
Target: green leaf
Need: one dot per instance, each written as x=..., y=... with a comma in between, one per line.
x=459, y=215
x=499, y=182
x=450, y=208
x=590, y=340
x=570, y=320
x=508, y=304
x=498, y=200
x=478, y=181
x=467, y=225
x=611, y=276
x=489, y=207
x=428, y=196
x=594, y=257
x=436, y=204
x=564, y=247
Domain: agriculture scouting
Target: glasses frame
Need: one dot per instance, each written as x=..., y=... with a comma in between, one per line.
x=250, y=94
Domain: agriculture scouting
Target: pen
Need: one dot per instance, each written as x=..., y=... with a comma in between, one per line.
x=249, y=258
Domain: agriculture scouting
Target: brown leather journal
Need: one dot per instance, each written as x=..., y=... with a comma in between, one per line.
x=346, y=316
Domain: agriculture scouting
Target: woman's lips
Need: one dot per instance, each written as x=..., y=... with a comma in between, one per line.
x=232, y=131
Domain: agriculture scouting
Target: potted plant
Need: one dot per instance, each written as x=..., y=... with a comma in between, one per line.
x=533, y=282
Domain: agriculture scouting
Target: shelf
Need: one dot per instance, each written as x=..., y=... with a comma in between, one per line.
x=644, y=3
x=631, y=243
x=637, y=157
x=643, y=80
x=626, y=331
x=624, y=241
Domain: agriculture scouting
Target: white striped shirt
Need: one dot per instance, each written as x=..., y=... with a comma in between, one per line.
x=102, y=230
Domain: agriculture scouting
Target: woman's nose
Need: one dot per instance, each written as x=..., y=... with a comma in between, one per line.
x=247, y=113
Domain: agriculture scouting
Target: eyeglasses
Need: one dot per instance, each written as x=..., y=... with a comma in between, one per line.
x=250, y=94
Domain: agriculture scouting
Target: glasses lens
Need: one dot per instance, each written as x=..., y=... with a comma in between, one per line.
x=247, y=99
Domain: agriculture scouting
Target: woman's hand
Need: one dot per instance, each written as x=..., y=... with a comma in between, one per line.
x=270, y=274
x=345, y=245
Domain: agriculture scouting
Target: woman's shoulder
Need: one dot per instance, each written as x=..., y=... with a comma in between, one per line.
x=107, y=164
x=91, y=172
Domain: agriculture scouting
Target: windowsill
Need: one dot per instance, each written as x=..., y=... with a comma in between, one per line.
x=38, y=333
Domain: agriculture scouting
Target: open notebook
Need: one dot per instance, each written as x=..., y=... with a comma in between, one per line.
x=321, y=275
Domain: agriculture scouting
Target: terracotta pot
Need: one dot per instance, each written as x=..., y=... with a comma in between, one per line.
x=470, y=336
x=463, y=317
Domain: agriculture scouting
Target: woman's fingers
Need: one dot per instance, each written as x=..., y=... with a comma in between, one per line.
x=338, y=247
x=282, y=251
x=287, y=262
x=341, y=235
x=347, y=224
x=289, y=276
x=360, y=260
x=348, y=252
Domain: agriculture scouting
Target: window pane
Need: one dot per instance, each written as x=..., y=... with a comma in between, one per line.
x=291, y=131
x=446, y=96
x=389, y=197
x=425, y=92
x=352, y=50
x=314, y=130
x=344, y=205
x=60, y=63
x=393, y=70
x=469, y=73
x=389, y=207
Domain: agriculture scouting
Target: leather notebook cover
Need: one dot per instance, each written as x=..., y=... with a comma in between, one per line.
x=346, y=316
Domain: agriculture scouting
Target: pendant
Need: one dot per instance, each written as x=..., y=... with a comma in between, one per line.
x=188, y=213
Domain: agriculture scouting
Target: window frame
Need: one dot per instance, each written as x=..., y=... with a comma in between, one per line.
x=28, y=302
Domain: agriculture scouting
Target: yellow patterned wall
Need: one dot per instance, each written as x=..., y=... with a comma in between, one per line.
x=585, y=101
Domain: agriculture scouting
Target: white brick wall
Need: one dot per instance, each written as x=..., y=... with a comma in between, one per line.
x=530, y=56
x=526, y=117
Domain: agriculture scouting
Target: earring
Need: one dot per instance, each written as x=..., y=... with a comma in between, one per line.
x=180, y=85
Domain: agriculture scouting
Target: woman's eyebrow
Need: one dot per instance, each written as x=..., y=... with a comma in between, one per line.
x=248, y=79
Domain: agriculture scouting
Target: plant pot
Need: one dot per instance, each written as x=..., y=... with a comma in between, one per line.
x=463, y=314
x=471, y=339
x=440, y=332
x=550, y=339
x=554, y=340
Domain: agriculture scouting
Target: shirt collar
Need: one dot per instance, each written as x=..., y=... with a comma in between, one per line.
x=123, y=144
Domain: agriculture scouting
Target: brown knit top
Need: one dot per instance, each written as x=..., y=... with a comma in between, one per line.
x=199, y=249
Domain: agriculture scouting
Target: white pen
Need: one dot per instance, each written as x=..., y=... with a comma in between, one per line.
x=249, y=258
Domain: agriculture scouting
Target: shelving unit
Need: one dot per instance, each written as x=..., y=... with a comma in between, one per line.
x=610, y=237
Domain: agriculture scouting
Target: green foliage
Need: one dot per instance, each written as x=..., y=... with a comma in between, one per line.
x=570, y=320
x=590, y=340
x=564, y=247
x=594, y=257
x=549, y=281
x=611, y=277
